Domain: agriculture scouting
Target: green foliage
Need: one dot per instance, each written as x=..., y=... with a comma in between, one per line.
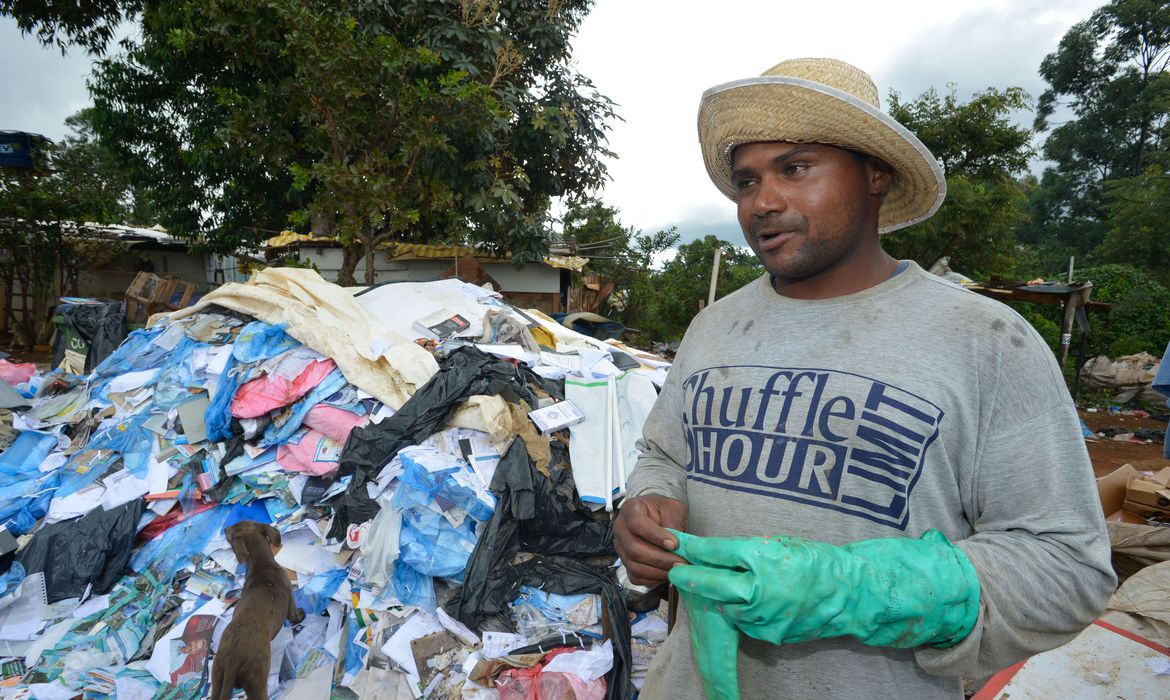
x=418, y=120
x=683, y=283
x=96, y=186
x=1140, y=318
x=982, y=153
x=1110, y=71
x=656, y=303
x=1045, y=320
x=975, y=139
x=619, y=254
x=1139, y=232
x=40, y=255
x=974, y=228
x=89, y=24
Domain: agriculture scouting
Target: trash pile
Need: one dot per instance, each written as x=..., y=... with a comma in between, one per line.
x=440, y=467
x=1131, y=376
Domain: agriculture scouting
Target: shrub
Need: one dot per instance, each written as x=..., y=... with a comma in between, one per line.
x=1140, y=318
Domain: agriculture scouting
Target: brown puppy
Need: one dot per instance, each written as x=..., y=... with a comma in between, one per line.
x=244, y=655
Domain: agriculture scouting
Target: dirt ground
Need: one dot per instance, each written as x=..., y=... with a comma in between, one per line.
x=1108, y=454
x=43, y=360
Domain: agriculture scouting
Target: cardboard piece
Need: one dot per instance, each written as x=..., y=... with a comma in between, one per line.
x=191, y=416
x=442, y=324
x=558, y=416
x=1126, y=496
x=1148, y=494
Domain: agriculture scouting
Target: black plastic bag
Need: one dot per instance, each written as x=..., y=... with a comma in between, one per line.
x=531, y=516
x=567, y=577
x=466, y=372
x=94, y=548
x=101, y=327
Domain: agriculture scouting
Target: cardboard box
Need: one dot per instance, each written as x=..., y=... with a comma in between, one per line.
x=442, y=324
x=1149, y=493
x=1111, y=490
x=1143, y=510
x=558, y=416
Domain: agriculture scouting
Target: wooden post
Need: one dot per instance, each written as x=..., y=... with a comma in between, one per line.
x=714, y=277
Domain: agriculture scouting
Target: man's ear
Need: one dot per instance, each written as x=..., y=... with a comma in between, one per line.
x=881, y=176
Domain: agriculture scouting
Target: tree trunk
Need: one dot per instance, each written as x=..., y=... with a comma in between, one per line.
x=350, y=255
x=322, y=225
x=370, y=260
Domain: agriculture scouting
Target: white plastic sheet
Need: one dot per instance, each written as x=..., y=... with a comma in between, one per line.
x=604, y=444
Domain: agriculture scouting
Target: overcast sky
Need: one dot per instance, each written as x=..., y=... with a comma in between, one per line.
x=655, y=58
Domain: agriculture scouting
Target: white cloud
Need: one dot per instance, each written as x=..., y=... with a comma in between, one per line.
x=39, y=87
x=655, y=60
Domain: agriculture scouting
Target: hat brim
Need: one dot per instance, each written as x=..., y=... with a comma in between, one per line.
x=778, y=108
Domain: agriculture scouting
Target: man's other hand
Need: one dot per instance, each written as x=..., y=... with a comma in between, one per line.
x=641, y=539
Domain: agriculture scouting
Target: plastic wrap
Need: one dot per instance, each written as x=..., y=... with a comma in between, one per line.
x=93, y=549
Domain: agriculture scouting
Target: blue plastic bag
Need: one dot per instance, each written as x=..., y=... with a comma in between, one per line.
x=25, y=493
x=414, y=588
x=22, y=460
x=11, y=578
x=355, y=653
x=138, y=351
x=166, y=553
x=432, y=546
x=257, y=342
x=21, y=514
x=318, y=591
x=130, y=439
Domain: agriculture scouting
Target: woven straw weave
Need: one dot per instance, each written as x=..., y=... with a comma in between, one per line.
x=820, y=101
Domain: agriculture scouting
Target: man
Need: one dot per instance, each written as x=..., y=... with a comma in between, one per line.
x=902, y=454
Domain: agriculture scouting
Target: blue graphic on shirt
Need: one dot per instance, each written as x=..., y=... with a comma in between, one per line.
x=820, y=437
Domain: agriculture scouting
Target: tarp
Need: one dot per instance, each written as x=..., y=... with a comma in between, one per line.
x=1142, y=603
x=326, y=318
x=1132, y=376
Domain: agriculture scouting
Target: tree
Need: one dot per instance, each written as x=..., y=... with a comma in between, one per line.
x=619, y=254
x=97, y=185
x=87, y=23
x=982, y=154
x=372, y=121
x=1139, y=222
x=41, y=252
x=682, y=285
x=1139, y=320
x=1110, y=72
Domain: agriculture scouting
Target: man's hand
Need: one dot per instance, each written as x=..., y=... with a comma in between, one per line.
x=641, y=539
x=888, y=592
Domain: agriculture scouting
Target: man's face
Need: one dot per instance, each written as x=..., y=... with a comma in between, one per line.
x=805, y=208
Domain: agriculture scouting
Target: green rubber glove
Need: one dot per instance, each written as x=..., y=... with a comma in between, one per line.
x=896, y=592
x=715, y=645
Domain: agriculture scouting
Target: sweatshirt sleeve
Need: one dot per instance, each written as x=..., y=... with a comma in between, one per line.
x=1040, y=546
x=661, y=466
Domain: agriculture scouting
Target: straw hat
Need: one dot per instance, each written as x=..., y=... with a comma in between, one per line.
x=820, y=100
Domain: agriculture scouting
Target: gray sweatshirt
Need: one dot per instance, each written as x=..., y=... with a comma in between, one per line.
x=912, y=405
